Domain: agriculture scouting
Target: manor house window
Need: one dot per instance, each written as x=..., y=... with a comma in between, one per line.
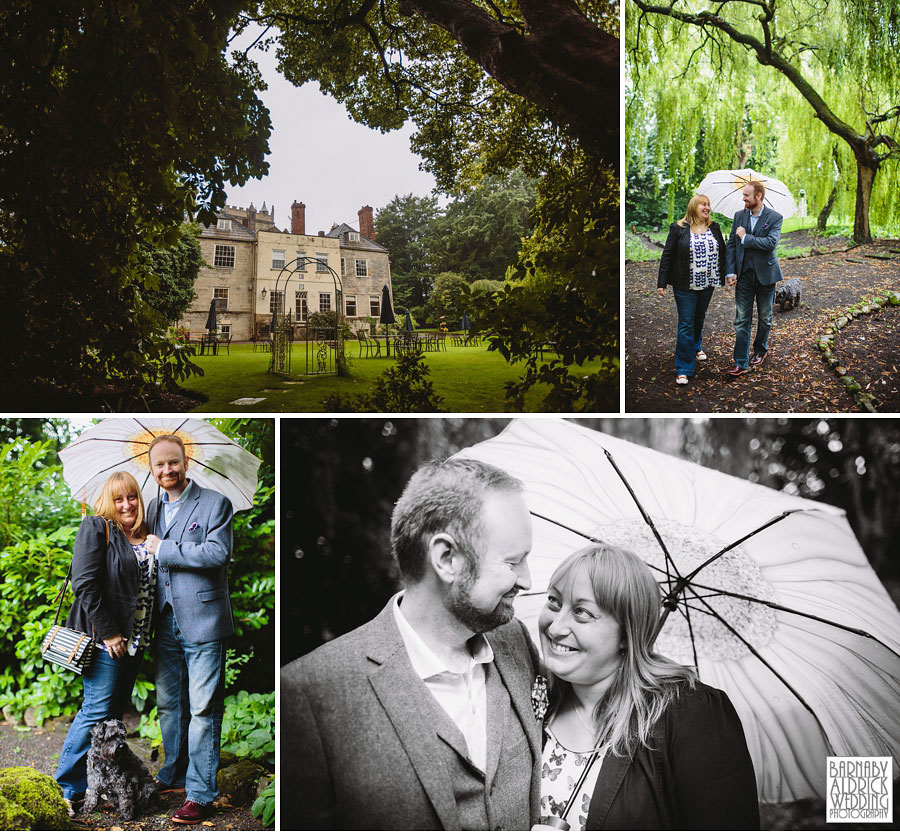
x=277, y=259
x=322, y=263
x=374, y=306
x=350, y=305
x=324, y=302
x=220, y=295
x=224, y=256
x=361, y=268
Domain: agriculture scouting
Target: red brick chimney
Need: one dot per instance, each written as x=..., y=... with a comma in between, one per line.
x=366, y=223
x=298, y=218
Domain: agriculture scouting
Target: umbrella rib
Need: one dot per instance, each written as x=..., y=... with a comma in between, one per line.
x=765, y=663
x=566, y=527
x=727, y=548
x=223, y=475
x=647, y=519
x=860, y=632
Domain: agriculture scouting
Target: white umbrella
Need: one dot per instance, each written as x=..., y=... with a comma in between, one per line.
x=723, y=188
x=214, y=460
x=790, y=620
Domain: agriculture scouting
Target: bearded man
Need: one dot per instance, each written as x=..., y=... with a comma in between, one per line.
x=422, y=718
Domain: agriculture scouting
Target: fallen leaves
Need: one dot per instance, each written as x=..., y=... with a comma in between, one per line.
x=794, y=377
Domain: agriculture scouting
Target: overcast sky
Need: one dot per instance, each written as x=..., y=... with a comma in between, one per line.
x=322, y=158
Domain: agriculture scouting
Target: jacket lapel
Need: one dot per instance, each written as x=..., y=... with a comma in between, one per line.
x=409, y=706
x=610, y=778
x=518, y=679
x=179, y=523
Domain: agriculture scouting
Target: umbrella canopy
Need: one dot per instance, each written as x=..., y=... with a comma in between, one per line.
x=465, y=324
x=211, y=323
x=114, y=444
x=723, y=188
x=774, y=600
x=409, y=321
x=387, y=311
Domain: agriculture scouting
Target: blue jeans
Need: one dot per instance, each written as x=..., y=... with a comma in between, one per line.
x=190, y=697
x=691, y=306
x=107, y=685
x=746, y=291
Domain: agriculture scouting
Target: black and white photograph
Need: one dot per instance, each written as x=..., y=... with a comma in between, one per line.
x=603, y=623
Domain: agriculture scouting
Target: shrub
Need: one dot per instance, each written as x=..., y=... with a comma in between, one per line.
x=248, y=726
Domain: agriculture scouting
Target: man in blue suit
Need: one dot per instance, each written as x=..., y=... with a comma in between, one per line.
x=752, y=268
x=192, y=540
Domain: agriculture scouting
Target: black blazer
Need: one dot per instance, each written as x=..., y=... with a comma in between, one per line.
x=699, y=775
x=105, y=580
x=675, y=263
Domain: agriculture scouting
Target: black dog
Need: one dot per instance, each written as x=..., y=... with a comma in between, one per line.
x=788, y=292
x=116, y=775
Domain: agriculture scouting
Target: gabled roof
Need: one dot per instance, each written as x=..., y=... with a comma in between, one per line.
x=238, y=230
x=340, y=231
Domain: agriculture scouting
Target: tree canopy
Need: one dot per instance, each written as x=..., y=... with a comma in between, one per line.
x=171, y=273
x=493, y=87
x=117, y=119
x=807, y=88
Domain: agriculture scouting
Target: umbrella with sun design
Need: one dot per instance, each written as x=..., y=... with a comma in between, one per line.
x=770, y=597
x=121, y=444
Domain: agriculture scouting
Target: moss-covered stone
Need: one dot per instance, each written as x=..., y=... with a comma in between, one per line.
x=239, y=781
x=841, y=322
x=894, y=298
x=31, y=798
x=867, y=402
x=840, y=370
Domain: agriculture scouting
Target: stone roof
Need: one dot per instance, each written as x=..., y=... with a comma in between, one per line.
x=238, y=231
x=340, y=231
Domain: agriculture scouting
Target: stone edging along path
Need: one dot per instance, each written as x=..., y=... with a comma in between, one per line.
x=825, y=344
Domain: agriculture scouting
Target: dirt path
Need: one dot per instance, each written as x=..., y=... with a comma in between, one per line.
x=794, y=377
x=39, y=748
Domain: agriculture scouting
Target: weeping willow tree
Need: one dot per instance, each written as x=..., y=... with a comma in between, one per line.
x=810, y=86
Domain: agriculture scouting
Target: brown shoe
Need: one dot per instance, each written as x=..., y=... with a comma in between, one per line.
x=736, y=370
x=192, y=812
x=757, y=359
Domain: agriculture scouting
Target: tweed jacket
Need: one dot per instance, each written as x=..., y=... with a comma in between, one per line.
x=192, y=564
x=360, y=749
x=675, y=261
x=105, y=580
x=758, y=249
x=698, y=775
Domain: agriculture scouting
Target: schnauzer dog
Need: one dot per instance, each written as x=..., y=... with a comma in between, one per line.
x=788, y=292
x=116, y=775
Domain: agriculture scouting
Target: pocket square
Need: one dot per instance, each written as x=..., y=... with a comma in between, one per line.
x=193, y=527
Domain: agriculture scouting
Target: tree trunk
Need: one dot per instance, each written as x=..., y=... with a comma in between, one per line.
x=826, y=210
x=866, y=169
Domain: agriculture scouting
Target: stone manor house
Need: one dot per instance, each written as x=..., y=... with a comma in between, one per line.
x=244, y=253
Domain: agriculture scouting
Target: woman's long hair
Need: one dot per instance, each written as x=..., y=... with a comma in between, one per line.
x=646, y=683
x=692, y=215
x=120, y=484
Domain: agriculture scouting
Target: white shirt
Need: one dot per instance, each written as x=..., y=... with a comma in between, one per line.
x=463, y=696
x=753, y=220
x=170, y=509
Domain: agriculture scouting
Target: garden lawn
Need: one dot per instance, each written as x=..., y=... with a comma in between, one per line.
x=470, y=379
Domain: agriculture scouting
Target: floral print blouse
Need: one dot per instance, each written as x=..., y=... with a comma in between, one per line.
x=143, y=611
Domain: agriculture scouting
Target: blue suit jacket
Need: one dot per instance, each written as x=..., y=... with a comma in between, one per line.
x=758, y=248
x=193, y=560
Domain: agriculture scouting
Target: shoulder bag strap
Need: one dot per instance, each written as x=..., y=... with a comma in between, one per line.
x=61, y=595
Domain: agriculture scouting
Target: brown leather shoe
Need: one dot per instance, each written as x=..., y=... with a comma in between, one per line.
x=736, y=370
x=757, y=359
x=192, y=812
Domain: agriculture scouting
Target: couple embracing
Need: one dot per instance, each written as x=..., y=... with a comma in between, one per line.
x=440, y=714
x=163, y=572
x=696, y=260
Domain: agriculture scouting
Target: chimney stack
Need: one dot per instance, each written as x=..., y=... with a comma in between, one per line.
x=298, y=218
x=366, y=223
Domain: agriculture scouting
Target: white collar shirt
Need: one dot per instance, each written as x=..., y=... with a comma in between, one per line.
x=170, y=509
x=463, y=696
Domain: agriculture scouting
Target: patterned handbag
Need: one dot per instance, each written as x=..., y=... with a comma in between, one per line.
x=68, y=647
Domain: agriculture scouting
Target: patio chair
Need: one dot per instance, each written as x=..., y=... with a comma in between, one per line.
x=226, y=341
x=364, y=342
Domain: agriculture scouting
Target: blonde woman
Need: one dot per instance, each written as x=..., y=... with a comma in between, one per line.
x=632, y=739
x=693, y=262
x=114, y=578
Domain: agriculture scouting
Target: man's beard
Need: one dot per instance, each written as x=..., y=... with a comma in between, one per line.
x=460, y=605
